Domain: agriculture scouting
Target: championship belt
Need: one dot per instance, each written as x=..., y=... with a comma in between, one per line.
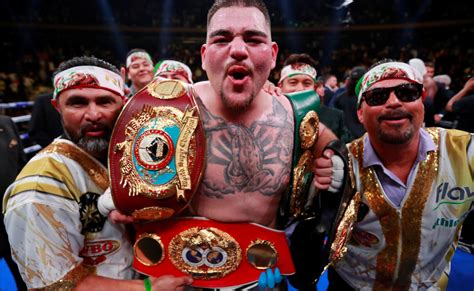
x=214, y=254
x=338, y=225
x=294, y=205
x=157, y=151
x=321, y=240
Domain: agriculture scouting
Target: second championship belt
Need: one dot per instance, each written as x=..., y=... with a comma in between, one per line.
x=157, y=152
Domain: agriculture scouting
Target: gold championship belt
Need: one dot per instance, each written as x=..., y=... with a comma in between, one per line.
x=157, y=151
x=215, y=254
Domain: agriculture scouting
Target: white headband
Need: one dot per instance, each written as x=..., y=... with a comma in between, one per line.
x=138, y=55
x=88, y=77
x=174, y=67
x=297, y=69
x=390, y=70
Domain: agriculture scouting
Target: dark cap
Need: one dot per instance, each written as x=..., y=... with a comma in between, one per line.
x=357, y=73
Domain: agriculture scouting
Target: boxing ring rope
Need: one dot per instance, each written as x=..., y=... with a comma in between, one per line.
x=16, y=105
x=20, y=119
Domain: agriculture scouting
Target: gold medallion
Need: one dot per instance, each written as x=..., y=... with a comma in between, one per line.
x=262, y=254
x=309, y=130
x=301, y=174
x=149, y=249
x=205, y=253
x=166, y=89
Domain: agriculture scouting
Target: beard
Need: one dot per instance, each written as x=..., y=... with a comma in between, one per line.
x=237, y=106
x=397, y=135
x=95, y=146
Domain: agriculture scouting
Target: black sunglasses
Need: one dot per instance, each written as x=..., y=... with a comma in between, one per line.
x=408, y=92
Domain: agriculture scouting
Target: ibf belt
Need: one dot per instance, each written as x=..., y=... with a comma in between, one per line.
x=157, y=151
x=215, y=254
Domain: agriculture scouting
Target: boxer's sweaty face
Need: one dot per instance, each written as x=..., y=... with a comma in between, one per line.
x=238, y=55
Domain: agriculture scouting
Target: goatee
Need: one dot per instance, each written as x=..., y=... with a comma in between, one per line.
x=237, y=106
x=95, y=146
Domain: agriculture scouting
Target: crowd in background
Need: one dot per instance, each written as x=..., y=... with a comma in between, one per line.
x=38, y=36
x=29, y=74
x=186, y=13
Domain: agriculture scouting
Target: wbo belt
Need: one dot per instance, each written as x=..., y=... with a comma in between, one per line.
x=157, y=151
x=214, y=254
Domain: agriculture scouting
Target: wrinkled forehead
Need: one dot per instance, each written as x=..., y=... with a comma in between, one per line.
x=238, y=19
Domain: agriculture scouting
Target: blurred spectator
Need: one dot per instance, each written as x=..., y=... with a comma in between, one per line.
x=342, y=88
x=332, y=117
x=430, y=69
x=12, y=159
x=347, y=102
x=462, y=104
x=45, y=123
x=138, y=69
x=443, y=79
x=436, y=94
x=330, y=85
x=299, y=74
x=175, y=70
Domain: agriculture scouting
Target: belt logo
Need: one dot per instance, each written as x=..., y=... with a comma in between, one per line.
x=205, y=253
x=155, y=154
x=212, y=258
x=154, y=149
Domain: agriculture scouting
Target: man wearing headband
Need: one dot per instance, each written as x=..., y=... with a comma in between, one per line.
x=59, y=239
x=139, y=70
x=416, y=188
x=169, y=69
x=299, y=74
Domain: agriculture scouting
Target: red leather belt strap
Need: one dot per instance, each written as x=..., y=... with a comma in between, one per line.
x=215, y=254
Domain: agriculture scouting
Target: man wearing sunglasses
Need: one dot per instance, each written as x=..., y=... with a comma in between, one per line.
x=415, y=185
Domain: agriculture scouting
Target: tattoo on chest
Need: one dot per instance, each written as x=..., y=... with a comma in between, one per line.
x=254, y=159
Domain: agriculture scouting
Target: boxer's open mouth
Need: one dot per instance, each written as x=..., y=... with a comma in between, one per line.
x=238, y=73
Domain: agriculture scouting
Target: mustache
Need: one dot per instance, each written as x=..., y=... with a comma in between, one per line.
x=94, y=126
x=396, y=113
x=236, y=63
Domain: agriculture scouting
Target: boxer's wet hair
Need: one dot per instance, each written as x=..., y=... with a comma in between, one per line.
x=218, y=4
